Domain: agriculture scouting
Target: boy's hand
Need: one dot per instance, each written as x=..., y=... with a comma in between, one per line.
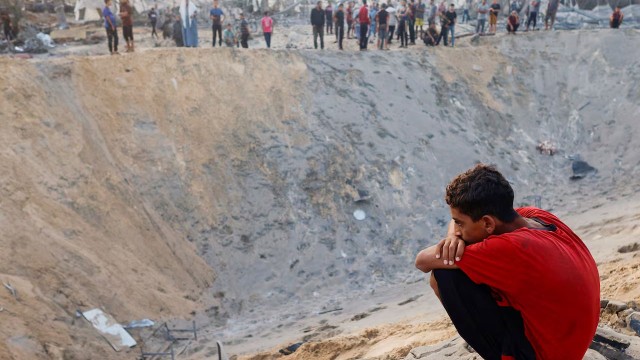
x=449, y=249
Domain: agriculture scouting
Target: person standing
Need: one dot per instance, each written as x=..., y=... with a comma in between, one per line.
x=616, y=18
x=338, y=19
x=317, y=21
x=452, y=16
x=402, y=24
x=7, y=25
x=373, y=28
x=445, y=22
x=465, y=11
x=534, y=8
x=126, y=14
x=411, y=21
x=421, y=9
x=267, y=28
x=363, y=19
x=483, y=10
x=328, y=18
x=153, y=19
x=244, y=32
x=393, y=22
x=177, y=31
x=494, y=11
x=217, y=18
x=513, y=22
x=189, y=22
x=382, y=19
x=349, y=19
x=550, y=16
x=433, y=12
x=110, y=26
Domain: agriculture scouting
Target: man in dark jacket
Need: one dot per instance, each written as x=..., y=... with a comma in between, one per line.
x=338, y=19
x=317, y=21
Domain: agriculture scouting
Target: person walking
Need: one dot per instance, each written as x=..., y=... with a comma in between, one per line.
x=317, y=21
x=217, y=18
x=110, y=26
x=338, y=19
x=153, y=19
x=550, y=16
x=465, y=11
x=445, y=22
x=267, y=28
x=363, y=19
x=126, y=14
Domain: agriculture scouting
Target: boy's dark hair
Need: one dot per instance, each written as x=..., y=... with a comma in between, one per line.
x=481, y=191
x=106, y=1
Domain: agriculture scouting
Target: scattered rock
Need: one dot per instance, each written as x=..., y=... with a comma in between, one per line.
x=477, y=68
x=607, y=336
x=615, y=306
x=360, y=316
x=581, y=169
x=633, y=322
x=629, y=248
x=603, y=303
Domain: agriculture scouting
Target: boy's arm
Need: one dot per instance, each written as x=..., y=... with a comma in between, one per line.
x=444, y=254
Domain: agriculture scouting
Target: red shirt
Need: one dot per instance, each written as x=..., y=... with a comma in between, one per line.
x=267, y=24
x=363, y=15
x=549, y=276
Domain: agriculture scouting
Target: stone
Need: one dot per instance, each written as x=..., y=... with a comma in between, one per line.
x=607, y=336
x=593, y=355
x=633, y=322
x=615, y=306
x=581, y=169
x=603, y=303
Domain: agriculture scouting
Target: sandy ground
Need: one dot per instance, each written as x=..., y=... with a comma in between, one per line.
x=219, y=184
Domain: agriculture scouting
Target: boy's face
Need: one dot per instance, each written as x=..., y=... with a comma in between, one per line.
x=470, y=231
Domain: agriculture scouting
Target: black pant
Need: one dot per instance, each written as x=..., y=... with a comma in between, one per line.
x=267, y=39
x=491, y=330
x=412, y=32
x=340, y=35
x=127, y=32
x=153, y=28
x=217, y=30
x=402, y=29
x=392, y=30
x=532, y=17
x=329, y=29
x=513, y=28
x=244, y=41
x=318, y=30
x=444, y=35
x=112, y=36
x=364, y=32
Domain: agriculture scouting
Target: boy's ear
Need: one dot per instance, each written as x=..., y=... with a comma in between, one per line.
x=489, y=224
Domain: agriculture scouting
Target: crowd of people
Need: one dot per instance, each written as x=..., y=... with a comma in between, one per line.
x=378, y=24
